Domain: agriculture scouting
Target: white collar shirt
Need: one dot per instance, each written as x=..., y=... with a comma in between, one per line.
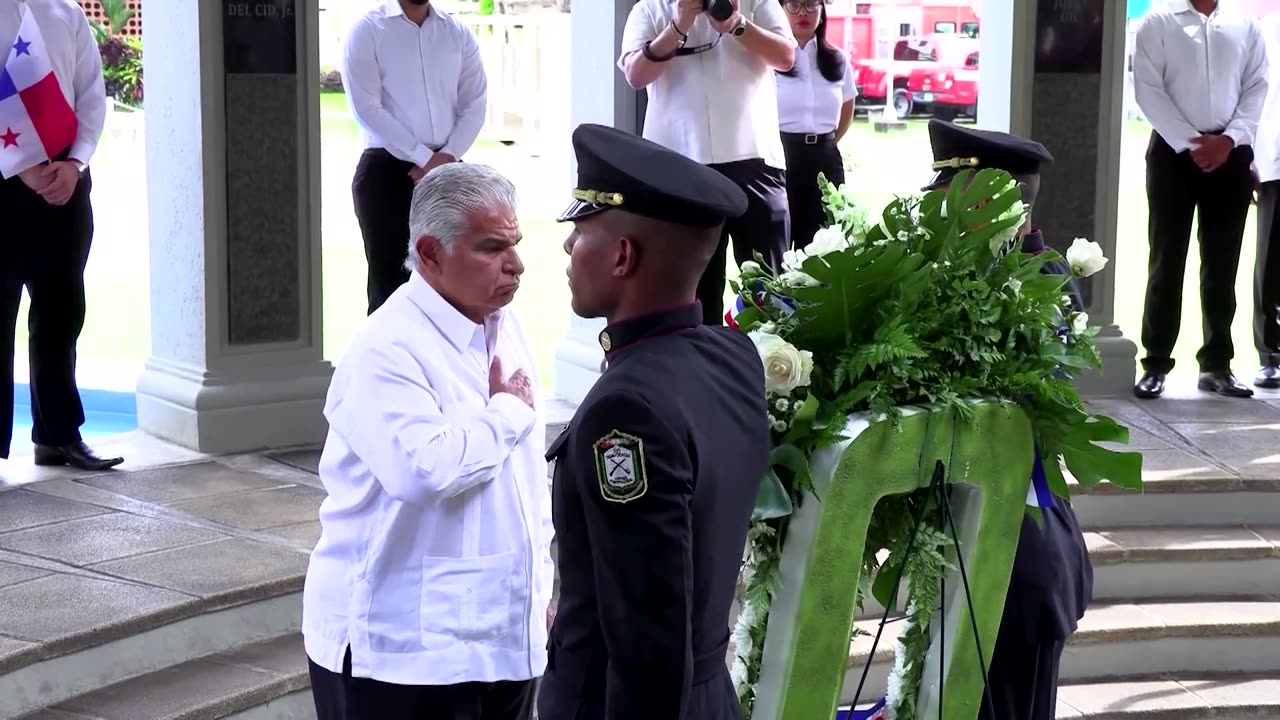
x=807, y=101
x=718, y=106
x=1267, y=145
x=76, y=60
x=414, y=90
x=1195, y=74
x=433, y=564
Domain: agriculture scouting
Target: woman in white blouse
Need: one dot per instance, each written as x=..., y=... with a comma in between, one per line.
x=815, y=105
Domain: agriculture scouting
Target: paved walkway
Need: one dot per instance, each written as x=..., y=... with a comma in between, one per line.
x=85, y=558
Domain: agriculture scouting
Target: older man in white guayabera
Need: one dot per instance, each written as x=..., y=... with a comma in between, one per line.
x=428, y=591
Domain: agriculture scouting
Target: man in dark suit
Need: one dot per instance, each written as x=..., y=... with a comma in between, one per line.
x=656, y=476
x=1052, y=580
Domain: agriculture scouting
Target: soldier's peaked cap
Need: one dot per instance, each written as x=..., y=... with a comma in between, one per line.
x=621, y=171
x=957, y=148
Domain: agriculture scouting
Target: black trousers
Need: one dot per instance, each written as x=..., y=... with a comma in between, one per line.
x=1176, y=190
x=1266, y=279
x=1024, y=681
x=383, y=191
x=44, y=249
x=765, y=228
x=342, y=697
x=804, y=199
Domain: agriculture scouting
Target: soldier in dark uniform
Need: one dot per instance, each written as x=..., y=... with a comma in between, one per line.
x=1052, y=581
x=656, y=476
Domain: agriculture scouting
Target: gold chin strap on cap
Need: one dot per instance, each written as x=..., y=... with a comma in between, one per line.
x=956, y=163
x=597, y=197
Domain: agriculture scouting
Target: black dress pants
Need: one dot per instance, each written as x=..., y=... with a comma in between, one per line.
x=44, y=248
x=1176, y=190
x=765, y=228
x=342, y=697
x=383, y=192
x=805, y=161
x=1266, y=279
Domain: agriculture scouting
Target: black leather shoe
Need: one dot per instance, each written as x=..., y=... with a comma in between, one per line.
x=1268, y=377
x=1150, y=386
x=77, y=455
x=1224, y=383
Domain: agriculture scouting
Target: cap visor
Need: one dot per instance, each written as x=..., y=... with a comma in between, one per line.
x=579, y=209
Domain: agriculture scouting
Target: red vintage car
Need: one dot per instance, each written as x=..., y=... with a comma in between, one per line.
x=948, y=91
x=879, y=80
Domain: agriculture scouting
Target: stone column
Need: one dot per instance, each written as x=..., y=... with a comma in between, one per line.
x=598, y=94
x=1054, y=70
x=233, y=183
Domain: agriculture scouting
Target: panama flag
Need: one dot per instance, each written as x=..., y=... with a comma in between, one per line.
x=36, y=122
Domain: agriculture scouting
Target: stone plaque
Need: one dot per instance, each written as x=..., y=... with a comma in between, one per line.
x=264, y=193
x=1069, y=36
x=259, y=37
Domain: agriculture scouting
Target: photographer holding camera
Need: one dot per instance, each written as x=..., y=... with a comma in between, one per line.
x=708, y=66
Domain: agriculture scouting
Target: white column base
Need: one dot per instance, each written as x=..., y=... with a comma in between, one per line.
x=1119, y=365
x=579, y=358
x=228, y=412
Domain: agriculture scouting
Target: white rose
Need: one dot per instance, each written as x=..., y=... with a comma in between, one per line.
x=827, y=241
x=798, y=279
x=1085, y=257
x=1079, y=323
x=793, y=259
x=750, y=268
x=785, y=367
x=767, y=327
x=738, y=674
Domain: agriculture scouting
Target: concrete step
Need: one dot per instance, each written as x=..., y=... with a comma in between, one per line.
x=1150, y=563
x=107, y=578
x=254, y=682
x=1128, y=640
x=1194, y=499
x=1173, y=697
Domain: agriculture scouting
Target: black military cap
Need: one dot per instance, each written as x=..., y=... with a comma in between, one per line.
x=957, y=148
x=621, y=171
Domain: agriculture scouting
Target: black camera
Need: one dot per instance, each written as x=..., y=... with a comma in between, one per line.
x=721, y=10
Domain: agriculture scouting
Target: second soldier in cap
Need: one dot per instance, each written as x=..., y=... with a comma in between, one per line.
x=1052, y=580
x=656, y=477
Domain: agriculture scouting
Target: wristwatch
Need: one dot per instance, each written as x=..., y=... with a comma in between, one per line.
x=741, y=27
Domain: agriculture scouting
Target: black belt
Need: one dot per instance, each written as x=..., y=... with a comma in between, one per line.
x=808, y=138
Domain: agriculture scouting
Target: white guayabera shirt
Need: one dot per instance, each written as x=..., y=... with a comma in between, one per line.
x=434, y=561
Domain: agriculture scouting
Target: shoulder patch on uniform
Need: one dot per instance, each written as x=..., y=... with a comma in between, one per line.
x=620, y=467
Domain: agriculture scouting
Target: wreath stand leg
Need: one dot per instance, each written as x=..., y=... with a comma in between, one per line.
x=941, y=493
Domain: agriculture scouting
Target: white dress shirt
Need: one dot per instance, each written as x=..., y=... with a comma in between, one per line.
x=1195, y=74
x=715, y=107
x=1266, y=150
x=77, y=64
x=414, y=89
x=434, y=562
x=807, y=101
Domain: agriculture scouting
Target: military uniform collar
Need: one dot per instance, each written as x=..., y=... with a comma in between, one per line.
x=632, y=330
x=1033, y=242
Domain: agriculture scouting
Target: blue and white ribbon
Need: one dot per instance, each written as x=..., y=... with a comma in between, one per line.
x=786, y=305
x=1039, y=495
x=875, y=712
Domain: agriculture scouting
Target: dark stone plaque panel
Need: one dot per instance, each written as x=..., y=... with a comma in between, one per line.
x=1066, y=106
x=1069, y=36
x=259, y=37
x=263, y=199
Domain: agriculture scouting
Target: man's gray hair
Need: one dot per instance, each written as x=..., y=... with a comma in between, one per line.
x=445, y=199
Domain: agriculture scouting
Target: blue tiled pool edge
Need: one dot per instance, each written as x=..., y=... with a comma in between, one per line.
x=107, y=412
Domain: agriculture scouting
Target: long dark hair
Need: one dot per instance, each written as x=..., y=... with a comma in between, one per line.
x=831, y=62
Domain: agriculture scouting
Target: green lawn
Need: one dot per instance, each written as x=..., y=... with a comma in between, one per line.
x=880, y=165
